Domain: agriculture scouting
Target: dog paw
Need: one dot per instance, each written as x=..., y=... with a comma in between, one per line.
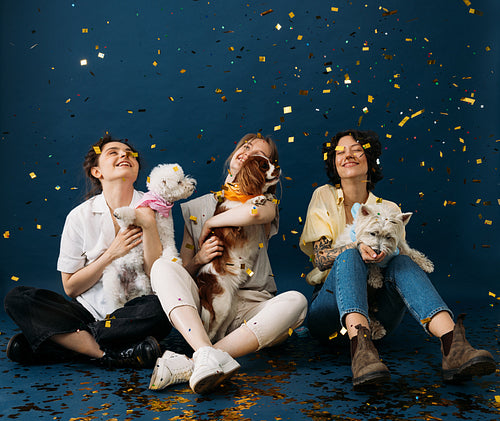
x=377, y=330
x=125, y=216
x=427, y=266
x=259, y=200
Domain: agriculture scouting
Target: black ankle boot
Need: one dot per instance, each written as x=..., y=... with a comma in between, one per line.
x=141, y=355
x=19, y=350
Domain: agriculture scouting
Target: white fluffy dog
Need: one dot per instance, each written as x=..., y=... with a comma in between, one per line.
x=382, y=228
x=124, y=279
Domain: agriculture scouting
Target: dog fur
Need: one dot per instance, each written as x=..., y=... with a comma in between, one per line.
x=124, y=279
x=382, y=228
x=219, y=280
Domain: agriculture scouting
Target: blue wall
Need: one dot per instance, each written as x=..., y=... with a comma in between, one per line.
x=436, y=52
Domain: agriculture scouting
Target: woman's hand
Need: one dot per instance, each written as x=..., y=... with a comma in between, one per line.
x=209, y=250
x=206, y=230
x=124, y=241
x=368, y=255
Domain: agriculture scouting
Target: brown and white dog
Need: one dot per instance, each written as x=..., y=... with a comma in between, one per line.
x=219, y=280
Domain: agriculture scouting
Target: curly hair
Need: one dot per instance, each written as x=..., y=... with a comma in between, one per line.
x=372, y=147
x=92, y=160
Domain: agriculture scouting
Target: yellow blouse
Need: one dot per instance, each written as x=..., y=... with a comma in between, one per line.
x=326, y=216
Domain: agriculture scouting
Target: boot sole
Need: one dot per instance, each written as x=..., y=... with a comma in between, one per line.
x=480, y=366
x=371, y=378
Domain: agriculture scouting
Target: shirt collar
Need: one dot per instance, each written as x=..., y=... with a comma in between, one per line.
x=372, y=199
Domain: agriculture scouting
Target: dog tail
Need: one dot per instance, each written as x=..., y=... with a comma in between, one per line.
x=208, y=287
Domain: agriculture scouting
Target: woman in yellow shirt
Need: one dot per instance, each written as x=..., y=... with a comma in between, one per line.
x=340, y=298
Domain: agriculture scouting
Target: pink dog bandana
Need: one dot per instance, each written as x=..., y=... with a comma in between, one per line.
x=155, y=202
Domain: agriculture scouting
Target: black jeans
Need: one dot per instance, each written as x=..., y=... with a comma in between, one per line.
x=41, y=313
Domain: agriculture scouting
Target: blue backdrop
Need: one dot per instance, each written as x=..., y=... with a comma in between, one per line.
x=184, y=80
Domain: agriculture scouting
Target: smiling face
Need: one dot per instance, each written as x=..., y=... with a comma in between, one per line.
x=350, y=159
x=116, y=161
x=254, y=146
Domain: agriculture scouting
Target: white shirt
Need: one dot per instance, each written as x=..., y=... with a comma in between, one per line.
x=88, y=232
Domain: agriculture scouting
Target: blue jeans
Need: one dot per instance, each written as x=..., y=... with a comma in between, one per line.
x=406, y=286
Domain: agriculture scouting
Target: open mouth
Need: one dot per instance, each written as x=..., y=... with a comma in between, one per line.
x=124, y=164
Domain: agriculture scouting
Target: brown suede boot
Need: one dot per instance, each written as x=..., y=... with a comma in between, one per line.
x=463, y=361
x=366, y=365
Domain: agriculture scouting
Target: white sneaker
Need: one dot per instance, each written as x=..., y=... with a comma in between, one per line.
x=211, y=367
x=171, y=368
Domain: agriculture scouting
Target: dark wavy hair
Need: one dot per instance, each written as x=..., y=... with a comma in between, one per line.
x=92, y=160
x=372, y=153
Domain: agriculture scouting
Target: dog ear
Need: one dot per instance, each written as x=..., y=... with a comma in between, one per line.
x=250, y=178
x=364, y=210
x=405, y=217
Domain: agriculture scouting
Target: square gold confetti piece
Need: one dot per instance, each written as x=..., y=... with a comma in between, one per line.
x=250, y=273
x=193, y=218
x=254, y=211
x=325, y=156
x=292, y=15
x=85, y=30
x=32, y=175
x=262, y=59
x=370, y=99
x=276, y=128
x=6, y=234
x=491, y=294
x=291, y=139
x=176, y=168
x=290, y=331
x=300, y=37
x=367, y=146
x=379, y=200
x=425, y=321
x=189, y=246
x=83, y=62
x=14, y=278
x=107, y=323
x=339, y=148
x=261, y=245
x=334, y=9
x=287, y=110
x=171, y=98
x=155, y=63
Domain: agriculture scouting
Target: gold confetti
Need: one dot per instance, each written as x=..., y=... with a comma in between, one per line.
x=343, y=331
x=100, y=55
x=326, y=91
x=182, y=71
x=417, y=113
x=291, y=139
x=231, y=48
x=97, y=150
x=488, y=222
x=339, y=148
x=171, y=98
x=107, y=323
x=193, y=218
x=403, y=121
x=249, y=271
x=6, y=234
x=294, y=232
x=155, y=63
x=38, y=227
x=497, y=399
x=491, y=294
x=292, y=15
x=366, y=146
x=333, y=335
x=290, y=331
x=32, y=175
x=14, y=278
x=85, y=30
x=334, y=9
x=325, y=156
x=467, y=3
x=276, y=128
x=425, y=321
x=479, y=161
x=299, y=37
x=68, y=100
x=262, y=59
x=254, y=211
x=468, y=100
x=370, y=98
x=266, y=12
x=261, y=245
x=475, y=12
x=287, y=110
x=366, y=48
x=303, y=92
x=397, y=86
x=174, y=259
x=224, y=99
x=278, y=26
x=83, y=62
x=379, y=200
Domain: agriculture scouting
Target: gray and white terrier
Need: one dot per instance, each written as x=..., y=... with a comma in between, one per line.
x=382, y=228
x=124, y=279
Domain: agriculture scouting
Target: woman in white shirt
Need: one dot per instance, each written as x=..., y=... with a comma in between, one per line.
x=54, y=328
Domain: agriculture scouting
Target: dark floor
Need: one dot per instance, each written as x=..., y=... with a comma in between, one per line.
x=301, y=379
